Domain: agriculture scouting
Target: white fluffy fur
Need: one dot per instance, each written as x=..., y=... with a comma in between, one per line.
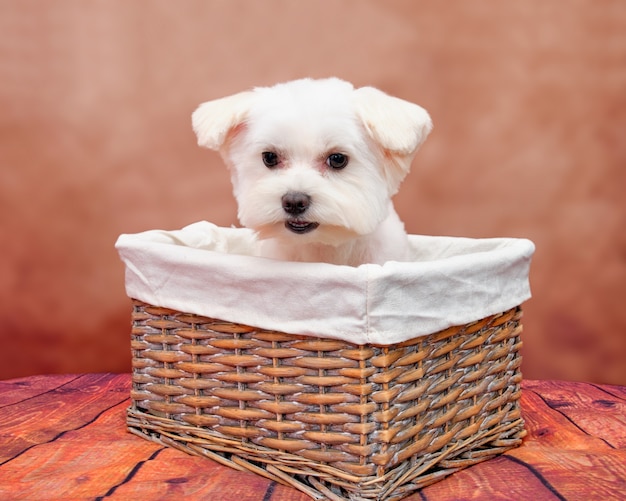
x=304, y=121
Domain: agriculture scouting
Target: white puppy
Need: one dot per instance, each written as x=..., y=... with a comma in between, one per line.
x=314, y=164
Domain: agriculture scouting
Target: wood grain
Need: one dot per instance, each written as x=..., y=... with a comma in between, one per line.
x=574, y=450
x=66, y=436
x=44, y=417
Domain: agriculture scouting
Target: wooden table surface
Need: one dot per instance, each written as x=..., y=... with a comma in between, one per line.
x=64, y=437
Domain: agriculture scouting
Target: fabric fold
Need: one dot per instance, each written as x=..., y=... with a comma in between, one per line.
x=212, y=271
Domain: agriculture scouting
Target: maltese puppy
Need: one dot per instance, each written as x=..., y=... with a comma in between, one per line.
x=314, y=165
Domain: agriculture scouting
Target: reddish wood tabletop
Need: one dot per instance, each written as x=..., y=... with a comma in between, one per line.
x=64, y=437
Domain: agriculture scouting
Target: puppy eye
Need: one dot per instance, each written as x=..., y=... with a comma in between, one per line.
x=337, y=161
x=270, y=159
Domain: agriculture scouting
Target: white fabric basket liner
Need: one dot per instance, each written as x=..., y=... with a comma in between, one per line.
x=210, y=271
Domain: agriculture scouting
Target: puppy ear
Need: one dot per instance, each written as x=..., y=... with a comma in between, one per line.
x=399, y=126
x=213, y=120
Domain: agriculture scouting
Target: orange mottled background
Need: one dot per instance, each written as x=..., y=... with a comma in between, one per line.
x=529, y=105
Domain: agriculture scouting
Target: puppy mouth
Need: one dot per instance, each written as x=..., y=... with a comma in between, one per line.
x=299, y=226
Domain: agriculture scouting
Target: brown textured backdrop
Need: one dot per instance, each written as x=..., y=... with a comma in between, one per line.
x=528, y=100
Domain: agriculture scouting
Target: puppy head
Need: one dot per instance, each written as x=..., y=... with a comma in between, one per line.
x=315, y=160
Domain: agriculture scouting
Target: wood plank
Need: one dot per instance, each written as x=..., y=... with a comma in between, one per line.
x=16, y=390
x=549, y=427
x=102, y=460
x=497, y=479
x=593, y=410
x=63, y=408
x=585, y=475
x=81, y=464
x=558, y=460
x=176, y=475
x=616, y=391
x=72, y=443
x=568, y=458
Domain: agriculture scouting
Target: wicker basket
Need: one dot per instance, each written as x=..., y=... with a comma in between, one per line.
x=332, y=419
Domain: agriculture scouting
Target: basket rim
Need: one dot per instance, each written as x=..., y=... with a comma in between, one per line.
x=380, y=304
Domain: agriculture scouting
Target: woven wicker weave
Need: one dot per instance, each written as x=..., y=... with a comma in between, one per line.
x=332, y=419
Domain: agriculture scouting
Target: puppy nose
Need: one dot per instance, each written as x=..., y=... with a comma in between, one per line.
x=295, y=202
